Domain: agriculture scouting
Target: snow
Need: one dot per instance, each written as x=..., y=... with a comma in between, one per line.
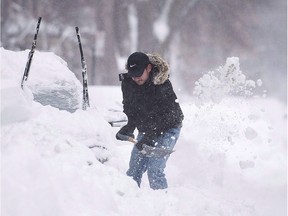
x=51, y=82
x=228, y=79
x=230, y=158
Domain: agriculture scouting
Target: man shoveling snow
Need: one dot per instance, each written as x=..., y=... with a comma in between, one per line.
x=151, y=106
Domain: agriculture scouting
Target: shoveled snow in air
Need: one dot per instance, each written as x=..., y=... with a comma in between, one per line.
x=59, y=160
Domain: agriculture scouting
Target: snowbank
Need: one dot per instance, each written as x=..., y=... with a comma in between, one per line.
x=50, y=81
x=229, y=160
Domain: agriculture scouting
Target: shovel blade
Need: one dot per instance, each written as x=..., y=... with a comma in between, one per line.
x=150, y=151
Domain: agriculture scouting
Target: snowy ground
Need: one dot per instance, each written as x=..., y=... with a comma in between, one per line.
x=230, y=160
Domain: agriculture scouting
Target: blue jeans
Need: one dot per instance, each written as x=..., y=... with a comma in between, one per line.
x=154, y=166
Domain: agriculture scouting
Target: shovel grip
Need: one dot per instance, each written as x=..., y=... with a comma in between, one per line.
x=131, y=139
x=147, y=150
x=126, y=138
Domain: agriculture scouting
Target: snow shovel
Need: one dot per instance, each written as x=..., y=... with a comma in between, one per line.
x=149, y=151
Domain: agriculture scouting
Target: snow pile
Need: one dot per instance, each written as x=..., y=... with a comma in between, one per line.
x=11, y=113
x=230, y=158
x=226, y=80
x=51, y=82
x=52, y=159
x=235, y=136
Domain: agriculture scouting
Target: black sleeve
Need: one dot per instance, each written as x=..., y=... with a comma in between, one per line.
x=127, y=105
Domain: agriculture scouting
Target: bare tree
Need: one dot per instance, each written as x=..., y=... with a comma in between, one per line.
x=198, y=34
x=106, y=60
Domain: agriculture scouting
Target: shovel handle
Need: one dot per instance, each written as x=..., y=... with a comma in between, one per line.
x=147, y=150
x=126, y=138
x=131, y=139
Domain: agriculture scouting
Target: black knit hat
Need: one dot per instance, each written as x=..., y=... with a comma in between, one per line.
x=136, y=64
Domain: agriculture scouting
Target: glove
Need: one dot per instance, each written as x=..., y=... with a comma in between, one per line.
x=145, y=140
x=139, y=145
x=126, y=131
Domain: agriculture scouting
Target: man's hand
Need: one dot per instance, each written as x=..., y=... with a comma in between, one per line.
x=147, y=139
x=125, y=138
x=124, y=133
x=139, y=146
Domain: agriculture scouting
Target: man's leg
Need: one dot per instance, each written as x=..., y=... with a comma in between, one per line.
x=137, y=164
x=156, y=165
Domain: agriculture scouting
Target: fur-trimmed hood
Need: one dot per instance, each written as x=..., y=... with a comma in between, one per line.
x=161, y=74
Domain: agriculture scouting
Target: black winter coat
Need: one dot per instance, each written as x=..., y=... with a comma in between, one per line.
x=152, y=108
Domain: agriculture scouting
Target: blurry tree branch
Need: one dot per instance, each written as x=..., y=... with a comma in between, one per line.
x=199, y=34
